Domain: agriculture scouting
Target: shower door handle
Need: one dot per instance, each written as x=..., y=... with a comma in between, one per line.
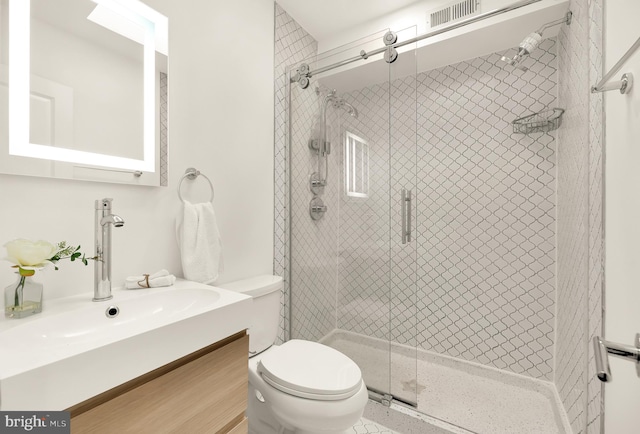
x=405, y=203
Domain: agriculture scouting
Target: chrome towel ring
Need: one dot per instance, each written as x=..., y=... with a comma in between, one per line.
x=192, y=173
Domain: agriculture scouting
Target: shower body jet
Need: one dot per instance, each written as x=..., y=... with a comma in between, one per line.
x=531, y=42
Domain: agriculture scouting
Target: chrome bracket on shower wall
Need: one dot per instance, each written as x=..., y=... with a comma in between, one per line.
x=624, y=85
x=603, y=348
x=626, y=82
x=314, y=145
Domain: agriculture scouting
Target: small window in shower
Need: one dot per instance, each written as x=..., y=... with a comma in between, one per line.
x=356, y=165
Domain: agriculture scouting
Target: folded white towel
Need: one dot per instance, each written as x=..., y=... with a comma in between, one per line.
x=155, y=280
x=199, y=243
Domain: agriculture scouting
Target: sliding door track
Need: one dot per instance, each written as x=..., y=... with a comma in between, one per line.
x=386, y=399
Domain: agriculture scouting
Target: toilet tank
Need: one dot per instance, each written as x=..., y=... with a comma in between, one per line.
x=265, y=309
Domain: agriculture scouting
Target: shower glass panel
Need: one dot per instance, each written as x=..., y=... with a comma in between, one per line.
x=402, y=85
x=353, y=266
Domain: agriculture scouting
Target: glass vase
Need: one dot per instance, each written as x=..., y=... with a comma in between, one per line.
x=23, y=298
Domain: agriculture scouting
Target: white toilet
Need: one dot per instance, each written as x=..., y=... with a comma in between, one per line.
x=299, y=387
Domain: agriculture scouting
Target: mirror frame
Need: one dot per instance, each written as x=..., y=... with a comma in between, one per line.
x=19, y=88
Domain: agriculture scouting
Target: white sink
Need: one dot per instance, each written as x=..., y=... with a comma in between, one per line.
x=73, y=350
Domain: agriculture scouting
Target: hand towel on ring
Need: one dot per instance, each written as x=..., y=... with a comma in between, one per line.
x=199, y=242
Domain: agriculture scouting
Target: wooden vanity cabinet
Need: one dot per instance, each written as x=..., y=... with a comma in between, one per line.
x=203, y=392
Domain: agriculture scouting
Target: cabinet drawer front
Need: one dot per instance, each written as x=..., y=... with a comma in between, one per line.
x=201, y=396
x=241, y=428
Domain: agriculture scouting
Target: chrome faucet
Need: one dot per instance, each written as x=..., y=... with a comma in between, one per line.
x=102, y=268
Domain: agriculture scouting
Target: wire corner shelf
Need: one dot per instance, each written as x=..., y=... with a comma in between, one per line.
x=541, y=122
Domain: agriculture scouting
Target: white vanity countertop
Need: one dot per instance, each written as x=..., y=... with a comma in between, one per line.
x=72, y=351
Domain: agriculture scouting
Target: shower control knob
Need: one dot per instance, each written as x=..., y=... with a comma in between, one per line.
x=317, y=208
x=316, y=183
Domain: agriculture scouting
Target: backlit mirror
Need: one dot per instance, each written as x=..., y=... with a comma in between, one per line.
x=83, y=90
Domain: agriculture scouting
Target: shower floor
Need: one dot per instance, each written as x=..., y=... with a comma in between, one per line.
x=474, y=397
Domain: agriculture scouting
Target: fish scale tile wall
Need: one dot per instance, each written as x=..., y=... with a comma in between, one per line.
x=484, y=216
x=580, y=202
x=292, y=45
x=313, y=243
x=489, y=207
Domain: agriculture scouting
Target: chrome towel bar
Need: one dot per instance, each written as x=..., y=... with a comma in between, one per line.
x=603, y=348
x=625, y=83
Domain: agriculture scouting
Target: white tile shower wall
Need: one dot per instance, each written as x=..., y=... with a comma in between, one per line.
x=485, y=221
x=377, y=273
x=364, y=249
x=596, y=230
x=403, y=168
x=579, y=215
x=313, y=243
x=292, y=45
x=488, y=230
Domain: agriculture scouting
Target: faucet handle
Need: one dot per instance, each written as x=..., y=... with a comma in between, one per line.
x=104, y=203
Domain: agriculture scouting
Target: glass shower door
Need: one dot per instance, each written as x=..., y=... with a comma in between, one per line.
x=402, y=289
x=353, y=270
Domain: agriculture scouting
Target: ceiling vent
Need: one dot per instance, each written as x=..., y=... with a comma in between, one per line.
x=453, y=12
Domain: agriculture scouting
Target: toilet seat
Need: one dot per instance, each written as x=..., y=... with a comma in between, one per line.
x=310, y=370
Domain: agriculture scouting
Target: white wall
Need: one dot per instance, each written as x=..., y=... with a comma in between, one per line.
x=413, y=15
x=220, y=121
x=622, y=207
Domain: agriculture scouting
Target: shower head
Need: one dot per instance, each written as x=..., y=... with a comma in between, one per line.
x=350, y=109
x=531, y=42
x=526, y=47
x=341, y=103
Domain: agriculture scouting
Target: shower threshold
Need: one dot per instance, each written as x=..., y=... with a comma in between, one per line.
x=456, y=395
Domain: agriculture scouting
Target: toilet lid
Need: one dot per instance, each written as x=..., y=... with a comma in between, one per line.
x=310, y=370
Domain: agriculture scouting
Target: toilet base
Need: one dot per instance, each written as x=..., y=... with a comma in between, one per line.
x=262, y=421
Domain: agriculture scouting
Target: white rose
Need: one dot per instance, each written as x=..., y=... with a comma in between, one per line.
x=30, y=255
